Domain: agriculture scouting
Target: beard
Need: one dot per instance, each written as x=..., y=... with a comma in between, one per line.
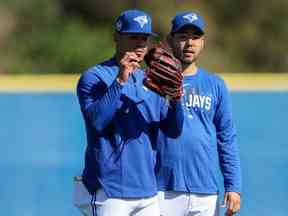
x=188, y=61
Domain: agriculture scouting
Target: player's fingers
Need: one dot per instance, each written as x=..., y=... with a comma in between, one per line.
x=228, y=212
x=129, y=62
x=235, y=201
x=128, y=56
x=236, y=205
x=125, y=60
x=233, y=207
x=133, y=59
x=126, y=68
x=134, y=65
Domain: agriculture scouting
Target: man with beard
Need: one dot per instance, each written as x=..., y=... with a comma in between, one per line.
x=186, y=167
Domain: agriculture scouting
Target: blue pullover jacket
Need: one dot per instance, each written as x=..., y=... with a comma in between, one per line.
x=122, y=123
x=189, y=163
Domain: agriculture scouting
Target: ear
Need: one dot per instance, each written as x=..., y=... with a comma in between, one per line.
x=203, y=42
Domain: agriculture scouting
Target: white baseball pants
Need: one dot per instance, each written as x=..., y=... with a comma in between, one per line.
x=187, y=204
x=101, y=205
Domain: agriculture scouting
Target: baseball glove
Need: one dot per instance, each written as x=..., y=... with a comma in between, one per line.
x=163, y=73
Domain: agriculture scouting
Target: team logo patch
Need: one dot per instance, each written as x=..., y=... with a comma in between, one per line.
x=191, y=17
x=141, y=20
x=119, y=25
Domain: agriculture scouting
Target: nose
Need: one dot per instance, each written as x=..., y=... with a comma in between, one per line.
x=189, y=41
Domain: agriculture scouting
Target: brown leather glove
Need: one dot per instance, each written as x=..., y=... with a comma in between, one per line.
x=163, y=73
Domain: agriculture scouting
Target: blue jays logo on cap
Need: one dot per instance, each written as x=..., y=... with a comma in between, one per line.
x=191, y=17
x=134, y=21
x=142, y=20
x=187, y=19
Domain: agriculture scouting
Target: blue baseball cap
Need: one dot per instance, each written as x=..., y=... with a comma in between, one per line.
x=134, y=21
x=187, y=18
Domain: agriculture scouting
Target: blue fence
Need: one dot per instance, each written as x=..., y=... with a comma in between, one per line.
x=43, y=143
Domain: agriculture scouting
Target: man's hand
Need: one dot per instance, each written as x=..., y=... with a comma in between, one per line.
x=128, y=64
x=232, y=203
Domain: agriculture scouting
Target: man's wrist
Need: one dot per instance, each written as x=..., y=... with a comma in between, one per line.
x=239, y=193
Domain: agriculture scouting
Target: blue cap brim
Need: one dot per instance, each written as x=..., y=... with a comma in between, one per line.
x=140, y=32
x=188, y=24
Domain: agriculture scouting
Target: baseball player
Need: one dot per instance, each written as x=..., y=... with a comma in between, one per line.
x=122, y=120
x=186, y=166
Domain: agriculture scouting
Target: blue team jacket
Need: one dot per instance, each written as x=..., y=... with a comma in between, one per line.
x=122, y=123
x=189, y=163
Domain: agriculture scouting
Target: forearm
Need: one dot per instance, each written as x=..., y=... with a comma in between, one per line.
x=172, y=124
x=230, y=164
x=227, y=143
